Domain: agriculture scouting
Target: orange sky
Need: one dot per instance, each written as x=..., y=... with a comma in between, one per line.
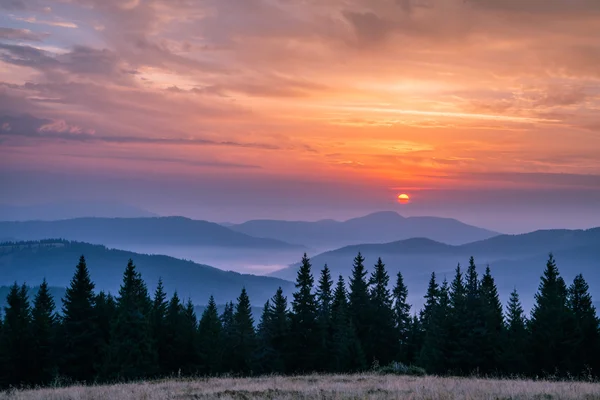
x=401, y=95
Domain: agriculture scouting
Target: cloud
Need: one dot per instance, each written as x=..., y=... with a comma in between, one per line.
x=27, y=126
x=34, y=20
x=21, y=34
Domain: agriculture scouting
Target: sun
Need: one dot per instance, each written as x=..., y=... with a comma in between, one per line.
x=403, y=198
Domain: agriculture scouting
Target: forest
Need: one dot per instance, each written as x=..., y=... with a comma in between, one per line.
x=328, y=326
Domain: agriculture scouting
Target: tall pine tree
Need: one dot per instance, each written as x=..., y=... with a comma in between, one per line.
x=244, y=336
x=158, y=325
x=459, y=361
x=516, y=341
x=324, y=300
x=403, y=321
x=79, y=328
x=43, y=329
x=551, y=324
x=15, y=345
x=493, y=323
x=346, y=353
x=435, y=353
x=359, y=305
x=132, y=354
x=210, y=340
x=383, y=336
x=304, y=332
x=586, y=339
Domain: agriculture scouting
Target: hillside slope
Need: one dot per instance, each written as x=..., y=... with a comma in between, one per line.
x=56, y=260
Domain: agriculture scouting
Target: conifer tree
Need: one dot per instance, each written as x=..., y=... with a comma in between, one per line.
x=586, y=338
x=473, y=321
x=432, y=298
x=359, y=305
x=79, y=331
x=384, y=341
x=244, y=339
x=459, y=360
x=264, y=352
x=403, y=321
x=414, y=341
x=228, y=323
x=210, y=340
x=43, y=329
x=189, y=331
x=279, y=332
x=516, y=342
x=493, y=323
x=551, y=324
x=435, y=353
x=304, y=331
x=132, y=353
x=347, y=354
x=159, y=325
x=173, y=336
x=16, y=338
x=324, y=299
x=105, y=312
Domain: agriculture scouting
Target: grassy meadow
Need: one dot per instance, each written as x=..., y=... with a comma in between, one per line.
x=363, y=386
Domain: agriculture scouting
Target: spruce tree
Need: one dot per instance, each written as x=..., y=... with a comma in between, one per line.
x=43, y=329
x=79, y=331
x=228, y=323
x=264, y=352
x=436, y=349
x=279, y=332
x=383, y=335
x=244, y=336
x=493, y=323
x=586, y=338
x=432, y=298
x=189, y=331
x=459, y=360
x=473, y=321
x=173, y=336
x=403, y=320
x=304, y=331
x=324, y=299
x=516, y=341
x=210, y=340
x=551, y=324
x=346, y=353
x=159, y=325
x=132, y=353
x=16, y=338
x=360, y=306
x=105, y=312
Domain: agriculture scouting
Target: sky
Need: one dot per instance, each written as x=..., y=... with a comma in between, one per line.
x=228, y=110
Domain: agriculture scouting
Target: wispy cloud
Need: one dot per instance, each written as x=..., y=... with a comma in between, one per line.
x=34, y=20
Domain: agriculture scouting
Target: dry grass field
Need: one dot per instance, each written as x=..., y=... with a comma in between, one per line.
x=365, y=386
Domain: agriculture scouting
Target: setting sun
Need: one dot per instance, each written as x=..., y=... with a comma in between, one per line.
x=403, y=198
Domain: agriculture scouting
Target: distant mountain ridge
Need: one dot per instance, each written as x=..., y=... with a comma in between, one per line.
x=380, y=227
x=56, y=260
x=71, y=209
x=146, y=231
x=516, y=260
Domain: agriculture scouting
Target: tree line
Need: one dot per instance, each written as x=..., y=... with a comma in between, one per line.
x=326, y=327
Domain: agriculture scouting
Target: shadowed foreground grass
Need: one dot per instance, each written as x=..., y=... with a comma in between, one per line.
x=365, y=386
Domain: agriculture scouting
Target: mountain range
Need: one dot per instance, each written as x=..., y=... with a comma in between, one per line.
x=380, y=227
x=178, y=231
x=516, y=260
x=71, y=209
x=30, y=262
